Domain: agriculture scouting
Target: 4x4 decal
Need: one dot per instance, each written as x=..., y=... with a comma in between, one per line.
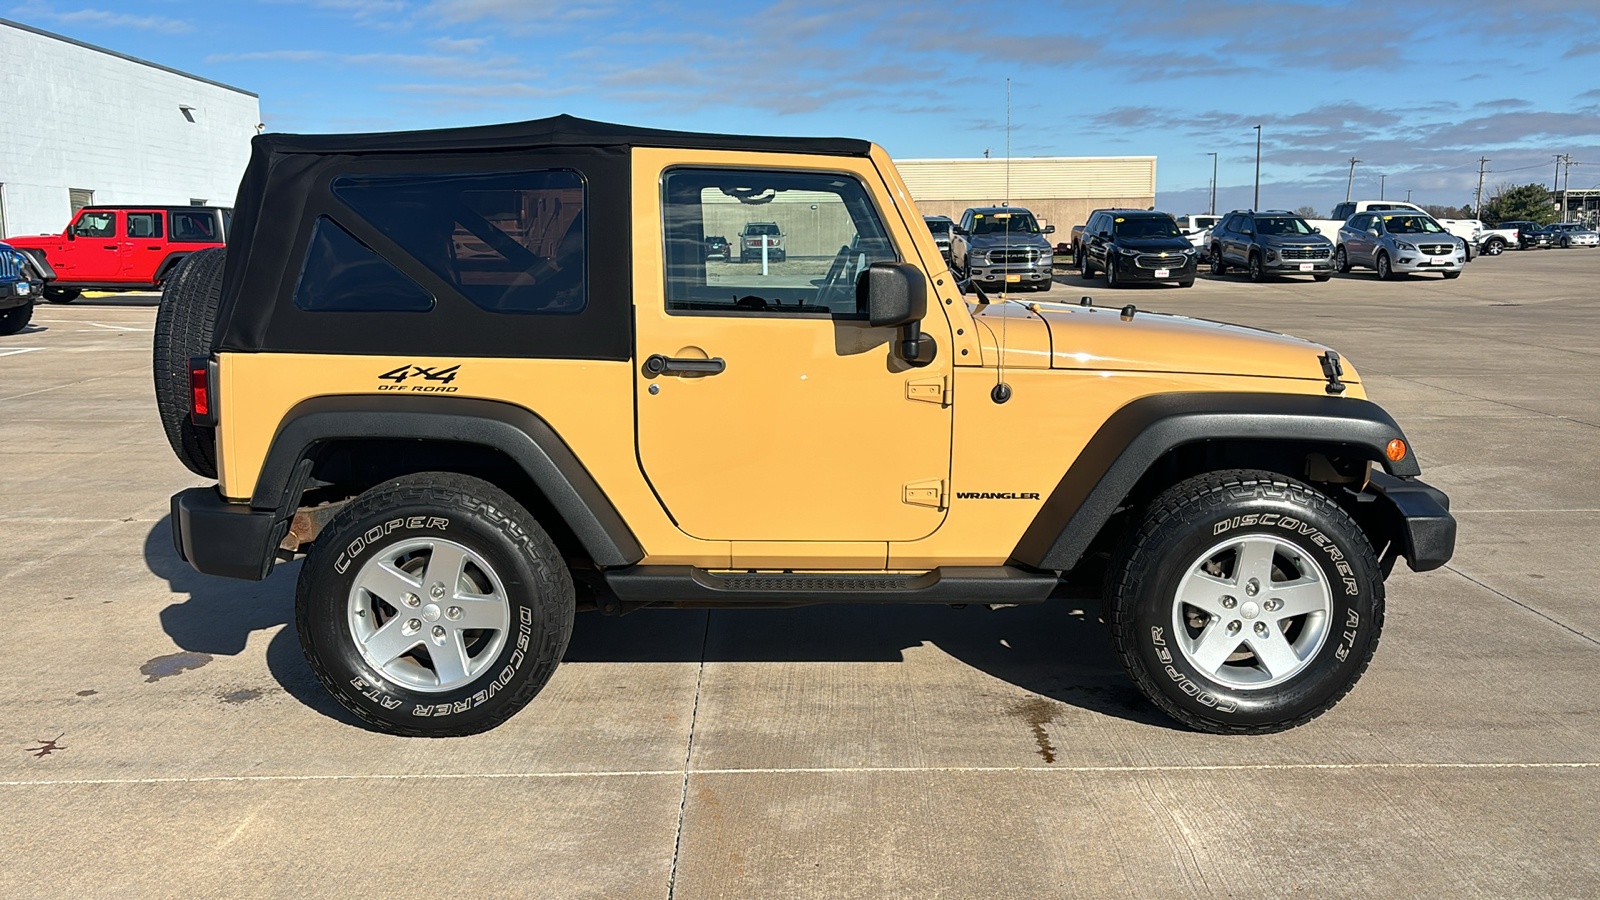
x=400, y=374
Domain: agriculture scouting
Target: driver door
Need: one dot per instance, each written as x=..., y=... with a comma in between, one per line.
x=781, y=415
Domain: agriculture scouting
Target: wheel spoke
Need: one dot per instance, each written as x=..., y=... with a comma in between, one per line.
x=1301, y=596
x=1205, y=592
x=1255, y=561
x=479, y=611
x=445, y=562
x=1274, y=653
x=388, y=642
x=387, y=582
x=449, y=661
x=1214, y=646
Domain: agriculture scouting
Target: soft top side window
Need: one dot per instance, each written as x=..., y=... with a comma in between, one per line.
x=831, y=232
x=510, y=242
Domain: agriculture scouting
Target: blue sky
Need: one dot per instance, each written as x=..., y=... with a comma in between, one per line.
x=1417, y=91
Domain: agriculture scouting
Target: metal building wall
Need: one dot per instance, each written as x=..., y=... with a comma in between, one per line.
x=82, y=117
x=1059, y=190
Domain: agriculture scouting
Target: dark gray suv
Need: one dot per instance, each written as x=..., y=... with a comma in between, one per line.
x=1268, y=243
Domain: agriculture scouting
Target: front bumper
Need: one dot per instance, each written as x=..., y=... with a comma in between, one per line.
x=1022, y=273
x=18, y=293
x=1418, y=516
x=221, y=538
x=1132, y=269
x=1276, y=265
x=1407, y=261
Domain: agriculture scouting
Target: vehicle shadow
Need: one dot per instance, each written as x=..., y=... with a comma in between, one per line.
x=1057, y=649
x=111, y=300
x=220, y=614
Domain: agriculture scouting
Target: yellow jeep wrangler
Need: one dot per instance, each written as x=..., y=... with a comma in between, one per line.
x=482, y=378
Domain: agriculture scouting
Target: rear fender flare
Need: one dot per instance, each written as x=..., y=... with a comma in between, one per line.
x=1140, y=433
x=517, y=432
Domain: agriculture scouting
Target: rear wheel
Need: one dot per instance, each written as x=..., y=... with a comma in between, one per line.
x=184, y=325
x=15, y=319
x=1084, y=269
x=61, y=295
x=434, y=606
x=1245, y=602
x=1494, y=247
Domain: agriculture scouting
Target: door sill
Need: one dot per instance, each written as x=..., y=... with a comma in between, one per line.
x=689, y=586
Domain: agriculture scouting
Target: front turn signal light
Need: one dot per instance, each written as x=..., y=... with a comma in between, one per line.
x=1396, y=450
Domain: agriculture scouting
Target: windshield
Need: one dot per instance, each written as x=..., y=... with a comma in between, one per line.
x=1004, y=223
x=1411, y=225
x=1146, y=227
x=761, y=228
x=939, y=226
x=1282, y=225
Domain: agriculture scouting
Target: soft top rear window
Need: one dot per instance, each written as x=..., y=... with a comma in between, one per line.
x=511, y=242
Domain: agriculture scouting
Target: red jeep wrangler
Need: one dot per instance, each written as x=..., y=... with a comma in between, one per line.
x=124, y=248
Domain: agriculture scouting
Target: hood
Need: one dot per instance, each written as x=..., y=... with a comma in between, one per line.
x=1100, y=339
x=1293, y=240
x=36, y=241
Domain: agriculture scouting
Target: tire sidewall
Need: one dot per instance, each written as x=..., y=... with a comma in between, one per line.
x=325, y=629
x=1355, y=619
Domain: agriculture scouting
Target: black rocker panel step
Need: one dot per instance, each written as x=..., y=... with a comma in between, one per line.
x=947, y=584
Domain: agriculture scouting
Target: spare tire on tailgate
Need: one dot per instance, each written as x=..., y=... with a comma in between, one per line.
x=184, y=325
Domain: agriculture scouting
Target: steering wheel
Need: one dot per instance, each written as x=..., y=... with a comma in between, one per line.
x=839, y=280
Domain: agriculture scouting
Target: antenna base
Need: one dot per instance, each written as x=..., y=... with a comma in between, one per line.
x=1001, y=392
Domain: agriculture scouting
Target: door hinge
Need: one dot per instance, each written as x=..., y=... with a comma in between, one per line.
x=929, y=390
x=929, y=493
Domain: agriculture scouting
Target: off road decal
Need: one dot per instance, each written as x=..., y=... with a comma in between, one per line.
x=524, y=632
x=985, y=495
x=376, y=533
x=400, y=375
x=1347, y=575
x=1185, y=683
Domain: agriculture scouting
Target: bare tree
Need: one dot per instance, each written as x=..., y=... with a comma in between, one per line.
x=1306, y=212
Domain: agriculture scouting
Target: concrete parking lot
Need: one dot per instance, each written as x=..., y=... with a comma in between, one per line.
x=164, y=738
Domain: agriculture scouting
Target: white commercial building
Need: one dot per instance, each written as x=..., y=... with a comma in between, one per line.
x=91, y=126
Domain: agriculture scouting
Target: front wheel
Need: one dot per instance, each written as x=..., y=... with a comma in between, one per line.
x=1245, y=602
x=1385, y=271
x=1085, y=270
x=1341, y=262
x=434, y=605
x=61, y=295
x=1111, y=272
x=1321, y=277
x=1257, y=273
x=1218, y=267
x=15, y=319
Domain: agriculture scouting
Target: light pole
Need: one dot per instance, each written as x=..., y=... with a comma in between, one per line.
x=1257, y=203
x=1351, y=180
x=1213, y=208
x=1408, y=195
x=1383, y=185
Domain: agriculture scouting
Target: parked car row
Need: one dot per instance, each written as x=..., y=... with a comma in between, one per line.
x=123, y=248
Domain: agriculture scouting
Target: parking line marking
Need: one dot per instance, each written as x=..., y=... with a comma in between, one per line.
x=818, y=770
x=13, y=351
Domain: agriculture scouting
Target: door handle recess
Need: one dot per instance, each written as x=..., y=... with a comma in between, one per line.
x=110, y=246
x=657, y=364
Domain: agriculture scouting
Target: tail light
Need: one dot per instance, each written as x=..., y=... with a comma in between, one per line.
x=202, y=393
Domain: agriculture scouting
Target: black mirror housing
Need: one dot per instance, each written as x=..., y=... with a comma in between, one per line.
x=892, y=294
x=1049, y=229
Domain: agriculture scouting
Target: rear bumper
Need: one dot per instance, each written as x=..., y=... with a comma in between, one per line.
x=221, y=538
x=1426, y=531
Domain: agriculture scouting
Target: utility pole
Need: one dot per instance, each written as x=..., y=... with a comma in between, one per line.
x=1257, y=203
x=1383, y=185
x=1555, y=182
x=1408, y=195
x=1213, y=210
x=1477, y=204
x=1351, y=180
x=1566, y=183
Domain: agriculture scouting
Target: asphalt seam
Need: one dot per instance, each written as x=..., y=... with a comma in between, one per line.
x=688, y=754
x=1537, y=612
x=819, y=770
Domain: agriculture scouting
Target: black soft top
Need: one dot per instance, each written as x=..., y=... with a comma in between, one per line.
x=556, y=131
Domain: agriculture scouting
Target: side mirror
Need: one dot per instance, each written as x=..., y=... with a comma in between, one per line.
x=71, y=234
x=1049, y=229
x=1317, y=230
x=895, y=295
x=1372, y=231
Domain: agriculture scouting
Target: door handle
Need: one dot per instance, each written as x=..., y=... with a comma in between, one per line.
x=110, y=246
x=657, y=364
x=154, y=247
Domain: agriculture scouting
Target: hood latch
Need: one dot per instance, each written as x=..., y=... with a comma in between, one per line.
x=1331, y=370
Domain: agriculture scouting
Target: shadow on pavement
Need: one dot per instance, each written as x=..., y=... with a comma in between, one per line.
x=112, y=300
x=1058, y=649
x=221, y=613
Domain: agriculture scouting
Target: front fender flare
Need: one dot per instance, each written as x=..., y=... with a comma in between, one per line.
x=1141, y=432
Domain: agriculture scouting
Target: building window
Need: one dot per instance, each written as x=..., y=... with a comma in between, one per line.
x=80, y=198
x=197, y=201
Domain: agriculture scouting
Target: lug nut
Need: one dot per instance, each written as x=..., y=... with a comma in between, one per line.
x=410, y=599
x=1273, y=605
x=1233, y=627
x=438, y=631
x=1229, y=603
x=412, y=626
x=437, y=591
x=453, y=612
x=1261, y=629
x=1252, y=587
